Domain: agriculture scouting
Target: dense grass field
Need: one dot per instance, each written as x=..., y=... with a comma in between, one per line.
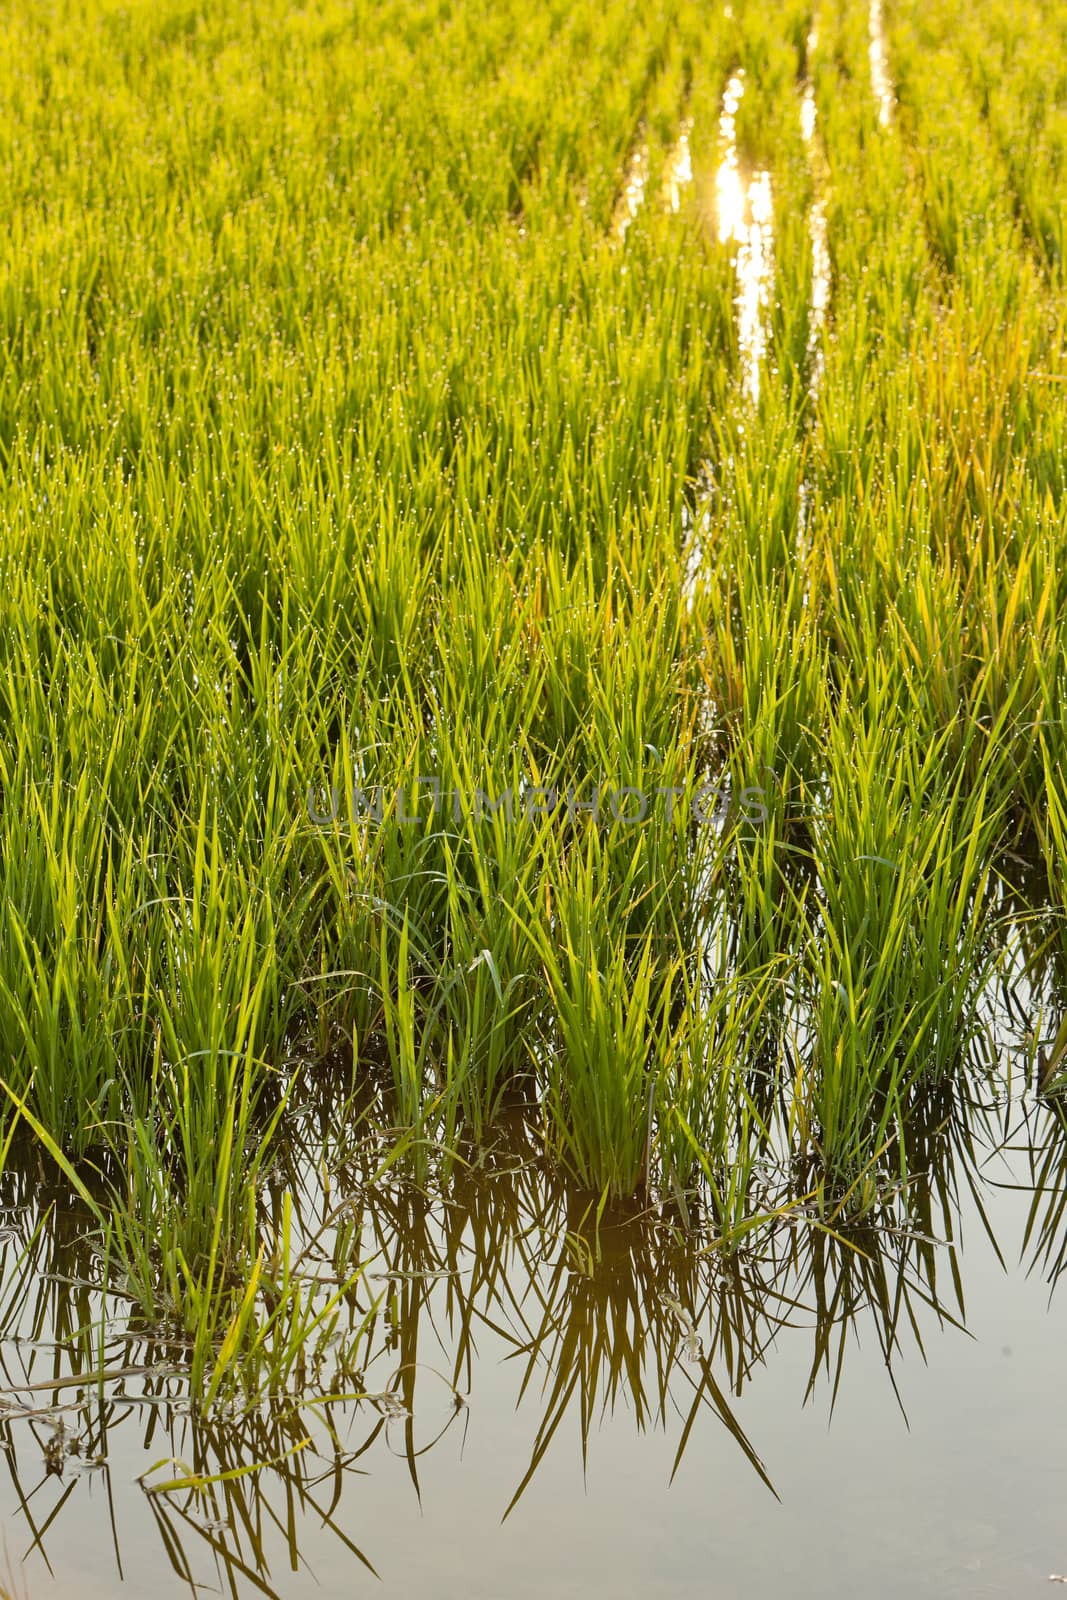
x=533, y=548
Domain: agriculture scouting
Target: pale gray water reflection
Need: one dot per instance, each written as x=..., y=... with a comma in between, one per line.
x=563, y=1404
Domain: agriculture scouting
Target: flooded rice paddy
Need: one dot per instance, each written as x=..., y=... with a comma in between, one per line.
x=519, y=1198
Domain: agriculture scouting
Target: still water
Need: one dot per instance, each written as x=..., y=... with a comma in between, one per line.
x=561, y=1405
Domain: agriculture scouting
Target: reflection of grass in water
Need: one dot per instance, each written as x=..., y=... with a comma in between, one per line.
x=598, y=1307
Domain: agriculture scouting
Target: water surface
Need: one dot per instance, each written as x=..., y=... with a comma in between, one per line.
x=566, y=1406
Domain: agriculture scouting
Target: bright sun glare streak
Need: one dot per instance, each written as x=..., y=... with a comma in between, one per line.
x=755, y=266
x=817, y=234
x=819, y=301
x=807, y=115
x=679, y=172
x=880, y=82
x=633, y=191
x=729, y=190
x=746, y=215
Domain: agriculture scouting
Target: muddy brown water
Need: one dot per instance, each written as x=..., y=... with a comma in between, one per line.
x=573, y=1407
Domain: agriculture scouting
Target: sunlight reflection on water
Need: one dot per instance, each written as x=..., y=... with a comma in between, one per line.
x=745, y=212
